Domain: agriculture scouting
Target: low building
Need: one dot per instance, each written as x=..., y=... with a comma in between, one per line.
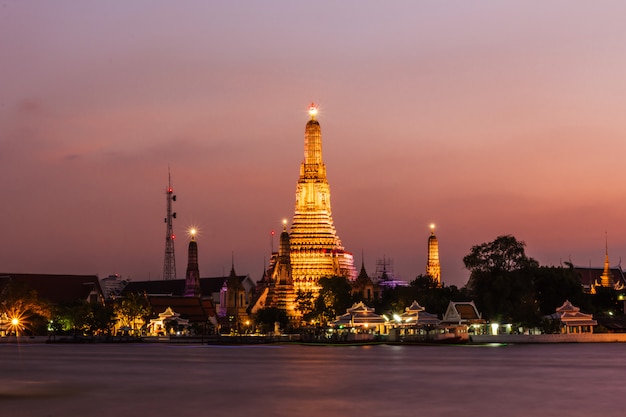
x=230, y=296
x=572, y=320
x=414, y=325
x=464, y=312
x=198, y=312
x=416, y=316
x=57, y=288
x=361, y=319
x=168, y=322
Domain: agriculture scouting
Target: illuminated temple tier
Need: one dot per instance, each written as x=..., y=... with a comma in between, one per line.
x=316, y=250
x=433, y=268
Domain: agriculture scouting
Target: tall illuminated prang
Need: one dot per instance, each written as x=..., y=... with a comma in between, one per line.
x=316, y=250
x=433, y=268
x=192, y=277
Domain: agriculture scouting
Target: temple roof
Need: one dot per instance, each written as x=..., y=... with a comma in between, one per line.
x=359, y=315
x=591, y=275
x=208, y=286
x=415, y=307
x=415, y=314
x=56, y=289
x=567, y=307
x=191, y=308
x=462, y=312
x=570, y=315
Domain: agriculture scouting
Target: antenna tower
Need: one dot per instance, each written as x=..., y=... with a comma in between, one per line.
x=169, y=265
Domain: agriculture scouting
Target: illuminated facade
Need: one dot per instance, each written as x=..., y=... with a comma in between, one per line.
x=433, y=268
x=316, y=250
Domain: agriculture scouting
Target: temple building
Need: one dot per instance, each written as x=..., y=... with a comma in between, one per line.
x=222, y=300
x=276, y=290
x=433, y=268
x=605, y=277
x=316, y=250
x=235, y=298
x=364, y=287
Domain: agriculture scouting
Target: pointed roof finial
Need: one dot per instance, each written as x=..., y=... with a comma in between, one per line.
x=232, y=263
x=312, y=111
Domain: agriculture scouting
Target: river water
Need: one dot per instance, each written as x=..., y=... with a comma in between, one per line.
x=293, y=380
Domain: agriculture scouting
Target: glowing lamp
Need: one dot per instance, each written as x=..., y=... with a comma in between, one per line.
x=313, y=110
x=15, y=321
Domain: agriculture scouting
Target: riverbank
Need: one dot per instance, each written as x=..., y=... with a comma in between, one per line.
x=550, y=338
x=296, y=339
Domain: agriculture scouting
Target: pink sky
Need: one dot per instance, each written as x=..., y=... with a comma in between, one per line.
x=486, y=118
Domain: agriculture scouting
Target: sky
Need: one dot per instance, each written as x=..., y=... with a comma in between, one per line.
x=486, y=118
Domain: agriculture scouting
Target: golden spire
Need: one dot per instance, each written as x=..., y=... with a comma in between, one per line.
x=606, y=279
x=433, y=267
x=312, y=111
x=313, y=165
x=316, y=250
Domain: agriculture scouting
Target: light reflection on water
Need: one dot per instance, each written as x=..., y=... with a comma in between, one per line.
x=292, y=380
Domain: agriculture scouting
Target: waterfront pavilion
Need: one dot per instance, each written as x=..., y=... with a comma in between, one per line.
x=361, y=319
x=572, y=320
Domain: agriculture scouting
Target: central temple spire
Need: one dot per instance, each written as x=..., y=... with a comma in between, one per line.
x=313, y=143
x=316, y=250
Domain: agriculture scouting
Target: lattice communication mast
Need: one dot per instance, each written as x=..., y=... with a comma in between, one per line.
x=169, y=265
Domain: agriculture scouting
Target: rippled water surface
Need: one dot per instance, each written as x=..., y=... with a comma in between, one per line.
x=292, y=380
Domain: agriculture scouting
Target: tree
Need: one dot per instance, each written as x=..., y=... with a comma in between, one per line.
x=131, y=309
x=433, y=297
x=70, y=317
x=554, y=285
x=266, y=317
x=83, y=318
x=99, y=319
x=504, y=254
x=17, y=301
x=501, y=281
x=305, y=304
x=333, y=299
